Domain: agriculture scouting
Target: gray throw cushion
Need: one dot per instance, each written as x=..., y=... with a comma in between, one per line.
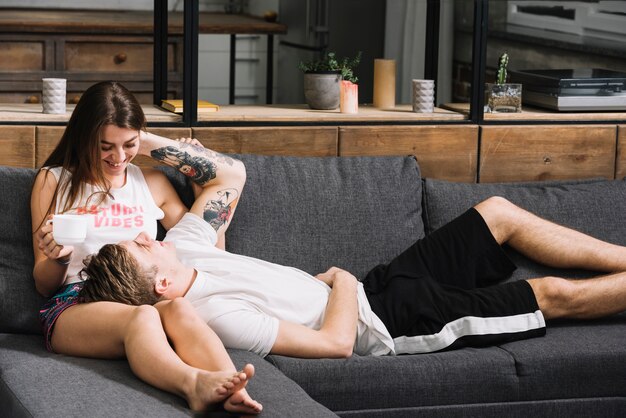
x=595, y=207
x=20, y=301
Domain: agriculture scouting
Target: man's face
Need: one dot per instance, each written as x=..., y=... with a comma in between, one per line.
x=149, y=252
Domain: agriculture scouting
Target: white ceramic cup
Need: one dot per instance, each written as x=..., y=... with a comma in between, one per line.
x=53, y=95
x=423, y=95
x=69, y=229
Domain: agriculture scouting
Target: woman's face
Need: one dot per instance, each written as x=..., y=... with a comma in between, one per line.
x=117, y=148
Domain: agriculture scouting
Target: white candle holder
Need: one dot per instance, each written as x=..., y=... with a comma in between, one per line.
x=423, y=96
x=53, y=95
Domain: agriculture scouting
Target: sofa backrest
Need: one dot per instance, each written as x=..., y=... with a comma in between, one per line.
x=596, y=207
x=313, y=213
x=309, y=213
x=19, y=301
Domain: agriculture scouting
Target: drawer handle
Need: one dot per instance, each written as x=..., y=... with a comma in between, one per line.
x=75, y=100
x=120, y=58
x=547, y=160
x=32, y=99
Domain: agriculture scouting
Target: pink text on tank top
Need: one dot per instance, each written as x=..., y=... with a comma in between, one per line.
x=115, y=215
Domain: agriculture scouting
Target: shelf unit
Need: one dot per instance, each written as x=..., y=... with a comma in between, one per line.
x=457, y=142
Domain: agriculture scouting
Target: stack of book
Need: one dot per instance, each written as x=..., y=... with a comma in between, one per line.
x=176, y=106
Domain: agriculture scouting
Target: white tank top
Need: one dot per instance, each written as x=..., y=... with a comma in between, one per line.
x=131, y=211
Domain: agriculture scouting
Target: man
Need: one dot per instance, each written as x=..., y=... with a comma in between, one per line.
x=429, y=298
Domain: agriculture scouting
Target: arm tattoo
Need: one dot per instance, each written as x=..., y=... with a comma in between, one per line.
x=211, y=154
x=217, y=212
x=200, y=169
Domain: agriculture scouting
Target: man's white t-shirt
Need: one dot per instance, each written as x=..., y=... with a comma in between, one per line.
x=243, y=298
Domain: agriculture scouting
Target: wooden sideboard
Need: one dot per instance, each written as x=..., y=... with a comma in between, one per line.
x=465, y=153
x=445, y=149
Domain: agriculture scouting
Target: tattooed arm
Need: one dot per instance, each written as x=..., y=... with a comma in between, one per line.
x=221, y=178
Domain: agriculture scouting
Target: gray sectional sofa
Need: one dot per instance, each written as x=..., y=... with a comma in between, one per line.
x=354, y=213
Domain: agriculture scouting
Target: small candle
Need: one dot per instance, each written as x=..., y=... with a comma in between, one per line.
x=348, y=97
x=384, y=83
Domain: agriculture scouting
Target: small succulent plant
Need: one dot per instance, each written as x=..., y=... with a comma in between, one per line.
x=501, y=75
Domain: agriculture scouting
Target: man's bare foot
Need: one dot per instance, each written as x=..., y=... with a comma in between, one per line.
x=213, y=387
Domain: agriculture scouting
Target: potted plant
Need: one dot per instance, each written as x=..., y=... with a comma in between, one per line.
x=322, y=79
x=502, y=96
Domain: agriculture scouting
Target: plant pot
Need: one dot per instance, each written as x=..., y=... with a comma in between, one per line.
x=321, y=90
x=505, y=98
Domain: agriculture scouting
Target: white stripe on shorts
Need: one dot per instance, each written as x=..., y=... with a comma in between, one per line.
x=468, y=326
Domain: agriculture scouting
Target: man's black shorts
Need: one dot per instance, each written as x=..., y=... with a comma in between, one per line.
x=432, y=296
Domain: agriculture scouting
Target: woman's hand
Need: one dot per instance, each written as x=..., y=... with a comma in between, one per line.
x=195, y=143
x=190, y=141
x=48, y=246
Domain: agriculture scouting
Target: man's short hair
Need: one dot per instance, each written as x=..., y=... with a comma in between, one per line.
x=114, y=275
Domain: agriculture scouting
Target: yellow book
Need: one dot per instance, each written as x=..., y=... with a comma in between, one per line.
x=176, y=106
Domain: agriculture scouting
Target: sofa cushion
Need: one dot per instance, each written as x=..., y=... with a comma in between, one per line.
x=595, y=207
x=574, y=360
x=20, y=301
x=448, y=378
x=313, y=213
x=37, y=383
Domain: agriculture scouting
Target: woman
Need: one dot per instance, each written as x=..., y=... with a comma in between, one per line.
x=89, y=172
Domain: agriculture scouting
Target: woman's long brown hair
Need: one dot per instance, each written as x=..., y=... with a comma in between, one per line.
x=78, y=151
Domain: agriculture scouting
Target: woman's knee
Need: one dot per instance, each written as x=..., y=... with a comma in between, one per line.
x=178, y=310
x=144, y=316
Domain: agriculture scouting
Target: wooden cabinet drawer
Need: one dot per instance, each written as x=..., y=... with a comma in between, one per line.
x=47, y=138
x=18, y=146
x=529, y=153
x=289, y=141
x=113, y=56
x=22, y=56
x=443, y=152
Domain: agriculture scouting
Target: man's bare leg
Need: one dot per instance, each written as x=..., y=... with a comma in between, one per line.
x=198, y=345
x=580, y=299
x=546, y=242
